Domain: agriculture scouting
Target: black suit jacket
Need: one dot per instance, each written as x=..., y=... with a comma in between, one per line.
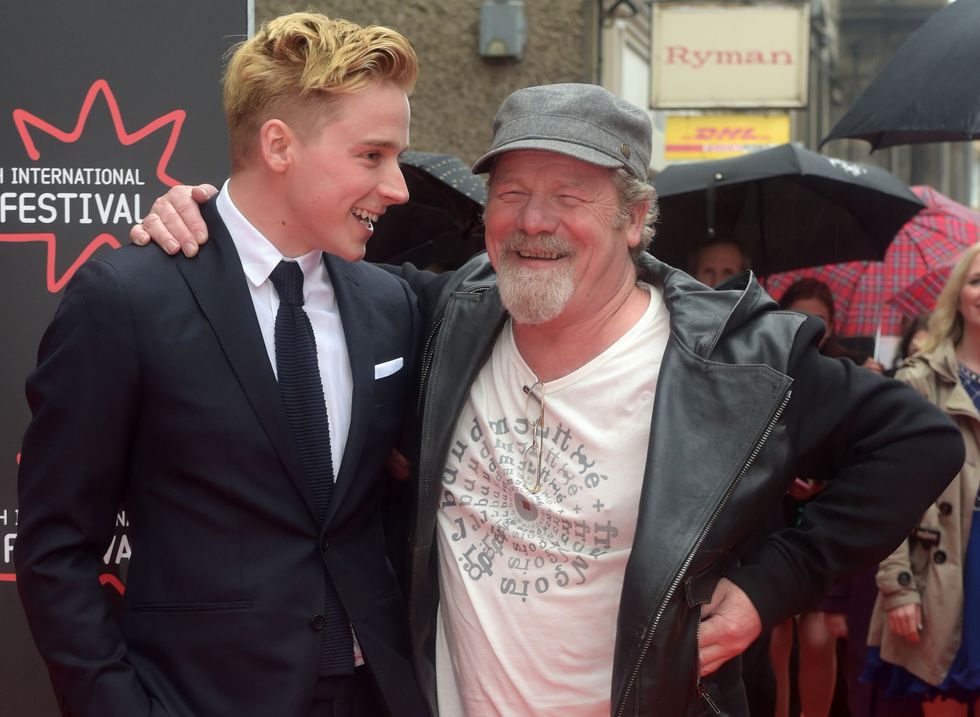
x=154, y=389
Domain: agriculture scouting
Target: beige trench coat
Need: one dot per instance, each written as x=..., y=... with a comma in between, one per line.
x=928, y=567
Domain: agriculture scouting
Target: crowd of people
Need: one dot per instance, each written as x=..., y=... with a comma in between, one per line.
x=594, y=438
x=905, y=659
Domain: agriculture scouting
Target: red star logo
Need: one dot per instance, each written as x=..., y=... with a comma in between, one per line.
x=27, y=122
x=109, y=579
x=112, y=581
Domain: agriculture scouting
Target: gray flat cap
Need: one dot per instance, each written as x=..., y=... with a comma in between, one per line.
x=586, y=122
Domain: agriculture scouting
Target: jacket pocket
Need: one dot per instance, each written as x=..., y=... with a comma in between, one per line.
x=697, y=592
x=388, y=389
x=922, y=542
x=703, y=697
x=191, y=606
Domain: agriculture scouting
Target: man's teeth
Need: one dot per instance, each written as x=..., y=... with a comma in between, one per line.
x=537, y=255
x=365, y=217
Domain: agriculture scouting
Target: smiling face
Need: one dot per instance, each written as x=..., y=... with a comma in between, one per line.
x=555, y=237
x=969, y=299
x=344, y=173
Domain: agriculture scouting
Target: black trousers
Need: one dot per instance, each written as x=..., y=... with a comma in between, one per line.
x=348, y=696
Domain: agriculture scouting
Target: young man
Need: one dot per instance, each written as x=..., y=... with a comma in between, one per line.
x=245, y=427
x=600, y=436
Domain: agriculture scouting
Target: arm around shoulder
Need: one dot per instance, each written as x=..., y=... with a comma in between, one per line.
x=433, y=290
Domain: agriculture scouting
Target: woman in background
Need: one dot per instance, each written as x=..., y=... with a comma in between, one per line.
x=816, y=631
x=913, y=337
x=925, y=630
x=812, y=296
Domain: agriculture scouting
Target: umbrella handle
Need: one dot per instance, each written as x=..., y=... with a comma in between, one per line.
x=710, y=199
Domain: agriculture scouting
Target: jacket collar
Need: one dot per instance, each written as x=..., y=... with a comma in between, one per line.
x=943, y=361
x=699, y=315
x=952, y=397
x=218, y=283
x=354, y=303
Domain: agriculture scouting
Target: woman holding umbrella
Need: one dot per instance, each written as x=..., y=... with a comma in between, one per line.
x=925, y=630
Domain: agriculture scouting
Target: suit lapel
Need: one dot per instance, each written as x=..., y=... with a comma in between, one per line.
x=218, y=283
x=354, y=303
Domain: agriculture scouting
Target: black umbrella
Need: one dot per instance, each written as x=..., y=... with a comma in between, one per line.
x=441, y=225
x=928, y=91
x=787, y=207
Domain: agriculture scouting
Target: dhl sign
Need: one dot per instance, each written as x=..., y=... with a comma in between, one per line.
x=720, y=136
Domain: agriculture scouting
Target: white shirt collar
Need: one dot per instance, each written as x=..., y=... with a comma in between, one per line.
x=258, y=255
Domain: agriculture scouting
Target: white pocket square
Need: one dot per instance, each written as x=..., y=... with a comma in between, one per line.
x=388, y=367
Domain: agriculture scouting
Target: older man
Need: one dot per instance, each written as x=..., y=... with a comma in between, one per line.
x=599, y=435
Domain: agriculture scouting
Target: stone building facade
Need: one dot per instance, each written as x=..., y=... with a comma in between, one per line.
x=458, y=91
x=589, y=41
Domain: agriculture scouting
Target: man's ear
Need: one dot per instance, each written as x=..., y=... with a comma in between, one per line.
x=275, y=140
x=638, y=214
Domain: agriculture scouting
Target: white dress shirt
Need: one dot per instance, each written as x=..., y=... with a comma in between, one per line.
x=259, y=257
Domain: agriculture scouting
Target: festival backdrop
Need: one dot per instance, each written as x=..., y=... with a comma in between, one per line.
x=103, y=106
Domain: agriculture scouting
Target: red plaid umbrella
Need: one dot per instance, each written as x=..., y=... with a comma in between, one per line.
x=919, y=297
x=932, y=239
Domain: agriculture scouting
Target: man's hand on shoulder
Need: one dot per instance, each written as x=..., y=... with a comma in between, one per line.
x=174, y=221
x=729, y=624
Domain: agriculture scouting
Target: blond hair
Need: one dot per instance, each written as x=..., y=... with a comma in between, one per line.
x=946, y=321
x=297, y=65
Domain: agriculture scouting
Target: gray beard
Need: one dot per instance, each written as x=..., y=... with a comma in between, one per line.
x=534, y=296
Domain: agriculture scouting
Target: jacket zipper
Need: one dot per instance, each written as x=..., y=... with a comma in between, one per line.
x=702, y=693
x=427, y=359
x=648, y=640
x=428, y=353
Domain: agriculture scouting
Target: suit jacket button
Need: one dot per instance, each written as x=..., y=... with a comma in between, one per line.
x=324, y=543
x=945, y=508
x=904, y=578
x=939, y=557
x=317, y=622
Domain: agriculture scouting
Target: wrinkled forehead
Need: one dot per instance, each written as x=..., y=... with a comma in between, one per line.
x=525, y=163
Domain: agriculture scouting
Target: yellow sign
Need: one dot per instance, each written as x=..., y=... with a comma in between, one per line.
x=720, y=136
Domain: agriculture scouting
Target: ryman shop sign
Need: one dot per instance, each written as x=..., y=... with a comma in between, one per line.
x=722, y=55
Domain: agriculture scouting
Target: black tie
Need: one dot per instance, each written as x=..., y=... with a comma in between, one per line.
x=302, y=396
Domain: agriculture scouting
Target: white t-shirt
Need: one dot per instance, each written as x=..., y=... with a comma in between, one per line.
x=530, y=581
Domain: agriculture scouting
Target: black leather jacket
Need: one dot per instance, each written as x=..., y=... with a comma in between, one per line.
x=729, y=432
